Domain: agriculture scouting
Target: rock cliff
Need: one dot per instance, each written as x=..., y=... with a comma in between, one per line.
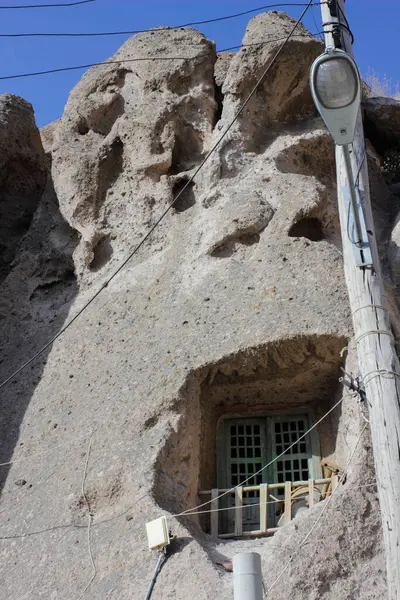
x=236, y=302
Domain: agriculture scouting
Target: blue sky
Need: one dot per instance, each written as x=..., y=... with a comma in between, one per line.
x=375, y=26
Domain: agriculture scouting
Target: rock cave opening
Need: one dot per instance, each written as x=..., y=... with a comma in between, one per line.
x=83, y=128
x=310, y=228
x=102, y=253
x=219, y=99
x=187, y=198
x=188, y=149
x=256, y=388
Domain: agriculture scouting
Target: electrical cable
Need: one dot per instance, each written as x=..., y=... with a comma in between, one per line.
x=62, y=5
x=320, y=33
x=17, y=536
x=106, y=62
x=351, y=240
x=149, y=58
x=361, y=164
x=161, y=560
x=213, y=510
x=135, y=31
x=321, y=514
x=340, y=25
x=347, y=25
x=170, y=206
x=279, y=39
x=90, y=517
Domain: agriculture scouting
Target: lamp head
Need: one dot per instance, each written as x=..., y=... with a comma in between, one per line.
x=336, y=91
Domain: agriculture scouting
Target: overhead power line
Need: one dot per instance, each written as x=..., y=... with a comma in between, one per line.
x=170, y=206
x=135, y=31
x=63, y=4
x=106, y=62
x=141, y=59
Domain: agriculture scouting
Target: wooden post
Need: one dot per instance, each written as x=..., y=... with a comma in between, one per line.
x=288, y=502
x=263, y=507
x=377, y=360
x=334, y=483
x=214, y=515
x=310, y=493
x=238, y=511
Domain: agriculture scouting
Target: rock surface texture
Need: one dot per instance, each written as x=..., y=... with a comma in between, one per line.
x=236, y=301
x=23, y=175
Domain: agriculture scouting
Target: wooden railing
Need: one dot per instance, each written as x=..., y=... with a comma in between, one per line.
x=293, y=491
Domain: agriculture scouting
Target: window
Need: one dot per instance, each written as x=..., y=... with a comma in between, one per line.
x=245, y=445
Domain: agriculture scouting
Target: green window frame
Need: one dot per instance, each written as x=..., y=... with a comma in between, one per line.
x=247, y=443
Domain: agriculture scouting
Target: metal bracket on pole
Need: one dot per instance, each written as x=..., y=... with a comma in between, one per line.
x=356, y=228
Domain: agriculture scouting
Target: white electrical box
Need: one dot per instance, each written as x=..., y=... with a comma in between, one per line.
x=157, y=533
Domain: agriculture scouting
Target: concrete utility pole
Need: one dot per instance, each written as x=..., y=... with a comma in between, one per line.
x=377, y=360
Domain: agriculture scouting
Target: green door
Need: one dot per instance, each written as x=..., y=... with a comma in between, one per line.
x=245, y=452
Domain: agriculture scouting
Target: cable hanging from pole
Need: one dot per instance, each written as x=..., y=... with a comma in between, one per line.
x=143, y=59
x=152, y=30
x=61, y=5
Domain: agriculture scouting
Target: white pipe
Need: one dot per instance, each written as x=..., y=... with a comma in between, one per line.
x=247, y=578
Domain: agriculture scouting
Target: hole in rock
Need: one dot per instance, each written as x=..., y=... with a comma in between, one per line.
x=83, y=128
x=102, y=253
x=187, y=150
x=233, y=244
x=187, y=199
x=310, y=228
x=219, y=99
x=234, y=417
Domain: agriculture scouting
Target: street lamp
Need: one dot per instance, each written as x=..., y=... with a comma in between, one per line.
x=336, y=91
